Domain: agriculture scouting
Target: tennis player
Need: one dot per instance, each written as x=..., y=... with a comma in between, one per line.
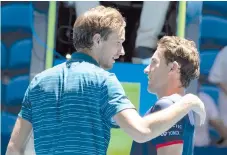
x=174, y=64
x=73, y=106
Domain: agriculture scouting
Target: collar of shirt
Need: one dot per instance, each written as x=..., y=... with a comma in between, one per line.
x=84, y=57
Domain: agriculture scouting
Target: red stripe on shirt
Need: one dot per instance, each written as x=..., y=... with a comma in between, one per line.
x=169, y=143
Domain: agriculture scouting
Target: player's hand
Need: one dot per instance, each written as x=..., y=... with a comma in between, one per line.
x=197, y=106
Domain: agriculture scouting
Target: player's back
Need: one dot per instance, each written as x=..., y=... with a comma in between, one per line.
x=66, y=111
x=181, y=133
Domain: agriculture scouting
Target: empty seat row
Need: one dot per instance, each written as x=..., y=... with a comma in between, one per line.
x=213, y=32
x=18, y=56
x=16, y=16
x=16, y=50
x=216, y=8
x=207, y=59
x=13, y=92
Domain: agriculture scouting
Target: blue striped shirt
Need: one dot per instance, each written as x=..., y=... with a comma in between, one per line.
x=71, y=107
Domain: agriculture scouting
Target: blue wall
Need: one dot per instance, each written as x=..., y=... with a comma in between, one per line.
x=133, y=73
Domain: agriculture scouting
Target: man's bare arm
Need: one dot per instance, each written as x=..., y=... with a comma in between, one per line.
x=176, y=149
x=20, y=136
x=153, y=125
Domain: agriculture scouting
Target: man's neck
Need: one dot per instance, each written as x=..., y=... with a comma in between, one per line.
x=170, y=91
x=90, y=53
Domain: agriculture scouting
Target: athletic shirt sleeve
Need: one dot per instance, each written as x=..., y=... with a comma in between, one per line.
x=114, y=99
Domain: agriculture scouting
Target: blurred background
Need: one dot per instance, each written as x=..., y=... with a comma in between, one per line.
x=38, y=35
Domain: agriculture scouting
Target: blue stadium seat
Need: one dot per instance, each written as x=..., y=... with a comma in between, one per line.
x=220, y=7
x=212, y=91
x=210, y=150
x=15, y=89
x=3, y=57
x=41, y=6
x=194, y=9
x=7, y=124
x=2, y=93
x=215, y=29
x=20, y=54
x=16, y=16
x=207, y=60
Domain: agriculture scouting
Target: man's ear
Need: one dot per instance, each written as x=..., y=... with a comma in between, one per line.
x=174, y=66
x=96, y=39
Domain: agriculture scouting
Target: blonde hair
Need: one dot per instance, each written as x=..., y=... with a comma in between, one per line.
x=102, y=20
x=185, y=53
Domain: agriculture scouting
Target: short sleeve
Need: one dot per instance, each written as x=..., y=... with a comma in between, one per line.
x=175, y=134
x=26, y=110
x=114, y=99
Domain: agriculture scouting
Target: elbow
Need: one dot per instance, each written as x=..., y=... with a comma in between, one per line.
x=140, y=140
x=142, y=136
x=13, y=150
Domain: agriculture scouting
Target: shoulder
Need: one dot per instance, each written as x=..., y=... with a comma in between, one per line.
x=91, y=72
x=47, y=76
x=167, y=101
x=112, y=85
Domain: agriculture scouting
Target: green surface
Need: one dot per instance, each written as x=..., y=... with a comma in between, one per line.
x=120, y=143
